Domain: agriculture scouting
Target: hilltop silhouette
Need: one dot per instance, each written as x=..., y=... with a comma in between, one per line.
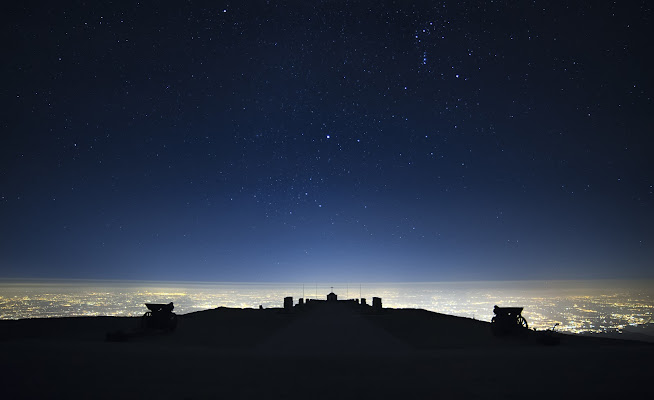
x=321, y=351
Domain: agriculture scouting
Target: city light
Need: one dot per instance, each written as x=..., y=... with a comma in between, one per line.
x=575, y=306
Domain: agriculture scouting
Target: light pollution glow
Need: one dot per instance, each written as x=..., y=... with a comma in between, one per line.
x=577, y=306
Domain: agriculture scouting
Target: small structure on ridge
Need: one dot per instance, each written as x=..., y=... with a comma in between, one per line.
x=508, y=321
x=160, y=316
x=377, y=303
x=288, y=304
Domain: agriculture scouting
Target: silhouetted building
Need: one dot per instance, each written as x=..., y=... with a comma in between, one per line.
x=307, y=304
x=288, y=303
x=376, y=303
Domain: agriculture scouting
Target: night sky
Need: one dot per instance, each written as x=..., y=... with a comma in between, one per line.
x=327, y=140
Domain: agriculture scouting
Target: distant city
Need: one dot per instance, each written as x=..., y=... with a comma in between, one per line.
x=576, y=306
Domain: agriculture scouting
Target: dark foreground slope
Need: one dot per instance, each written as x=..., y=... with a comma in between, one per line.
x=329, y=352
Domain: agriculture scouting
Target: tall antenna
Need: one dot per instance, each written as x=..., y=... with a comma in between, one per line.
x=360, y=297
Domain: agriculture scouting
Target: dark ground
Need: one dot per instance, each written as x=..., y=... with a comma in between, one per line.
x=328, y=352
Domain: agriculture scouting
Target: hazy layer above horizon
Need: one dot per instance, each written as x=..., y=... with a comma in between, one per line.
x=575, y=305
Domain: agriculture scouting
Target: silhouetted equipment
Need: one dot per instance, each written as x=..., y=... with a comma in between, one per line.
x=508, y=320
x=160, y=316
x=549, y=336
x=160, y=319
x=332, y=297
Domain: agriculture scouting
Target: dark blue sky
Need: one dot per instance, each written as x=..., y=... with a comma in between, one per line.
x=333, y=140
